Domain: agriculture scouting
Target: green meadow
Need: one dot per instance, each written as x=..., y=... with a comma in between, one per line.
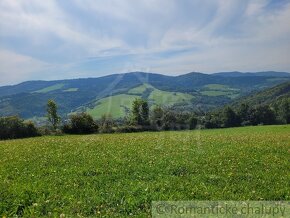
x=121, y=174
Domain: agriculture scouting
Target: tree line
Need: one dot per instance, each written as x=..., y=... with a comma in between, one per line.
x=246, y=115
x=141, y=118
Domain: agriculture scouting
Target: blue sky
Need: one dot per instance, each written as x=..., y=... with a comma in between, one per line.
x=58, y=39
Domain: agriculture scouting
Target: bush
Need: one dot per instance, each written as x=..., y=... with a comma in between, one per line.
x=193, y=121
x=262, y=115
x=169, y=119
x=229, y=118
x=130, y=128
x=45, y=130
x=106, y=124
x=80, y=124
x=212, y=121
x=13, y=127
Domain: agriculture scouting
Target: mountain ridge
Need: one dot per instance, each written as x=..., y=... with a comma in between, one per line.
x=229, y=73
x=28, y=99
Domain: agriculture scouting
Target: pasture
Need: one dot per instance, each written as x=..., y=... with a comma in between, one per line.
x=120, y=174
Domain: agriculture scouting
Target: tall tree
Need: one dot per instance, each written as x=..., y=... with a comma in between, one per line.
x=157, y=117
x=262, y=114
x=106, y=123
x=244, y=114
x=192, y=121
x=144, y=113
x=229, y=118
x=140, y=112
x=284, y=110
x=52, y=114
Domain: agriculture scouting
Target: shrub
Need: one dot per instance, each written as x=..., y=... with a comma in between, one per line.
x=106, y=124
x=169, y=119
x=130, y=128
x=13, y=127
x=82, y=123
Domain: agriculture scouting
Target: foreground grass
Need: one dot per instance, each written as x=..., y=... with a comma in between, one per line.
x=120, y=174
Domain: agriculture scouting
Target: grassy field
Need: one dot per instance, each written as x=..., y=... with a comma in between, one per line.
x=120, y=174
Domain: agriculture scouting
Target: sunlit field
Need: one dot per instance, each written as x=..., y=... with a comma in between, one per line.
x=121, y=174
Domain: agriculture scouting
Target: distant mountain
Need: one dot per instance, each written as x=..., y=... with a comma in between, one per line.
x=266, y=73
x=114, y=93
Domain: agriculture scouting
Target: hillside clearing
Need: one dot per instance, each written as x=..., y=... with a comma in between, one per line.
x=51, y=88
x=118, y=106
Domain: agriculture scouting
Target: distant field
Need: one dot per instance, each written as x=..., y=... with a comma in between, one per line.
x=120, y=174
x=217, y=87
x=220, y=87
x=215, y=93
x=50, y=88
x=220, y=90
x=71, y=90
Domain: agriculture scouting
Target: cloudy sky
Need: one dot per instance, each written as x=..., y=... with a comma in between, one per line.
x=57, y=39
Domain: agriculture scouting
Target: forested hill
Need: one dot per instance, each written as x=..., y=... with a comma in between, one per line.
x=114, y=93
x=267, y=107
x=266, y=97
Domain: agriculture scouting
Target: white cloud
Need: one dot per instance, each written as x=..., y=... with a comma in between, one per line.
x=38, y=20
x=16, y=68
x=216, y=35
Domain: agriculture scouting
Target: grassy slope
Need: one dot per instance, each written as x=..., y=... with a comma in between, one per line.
x=216, y=86
x=120, y=174
x=140, y=89
x=114, y=105
x=71, y=90
x=117, y=105
x=214, y=93
x=220, y=90
x=159, y=97
x=168, y=98
x=50, y=88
